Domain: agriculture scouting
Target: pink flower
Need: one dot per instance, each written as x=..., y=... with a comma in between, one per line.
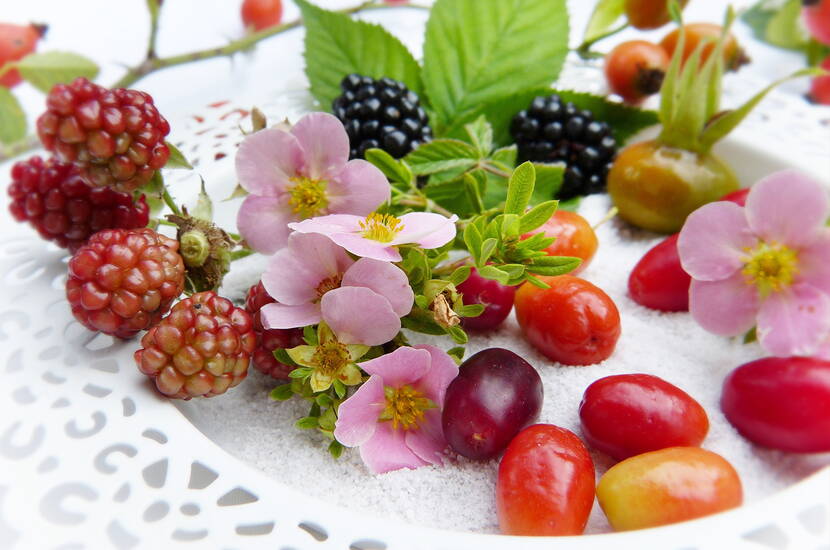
x=766, y=264
x=378, y=235
x=395, y=416
x=313, y=279
x=301, y=174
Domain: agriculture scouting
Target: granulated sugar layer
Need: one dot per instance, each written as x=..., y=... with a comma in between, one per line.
x=460, y=495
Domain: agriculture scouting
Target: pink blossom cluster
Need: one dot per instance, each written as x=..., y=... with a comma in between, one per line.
x=334, y=262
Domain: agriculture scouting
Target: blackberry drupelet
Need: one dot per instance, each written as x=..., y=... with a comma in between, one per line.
x=551, y=130
x=381, y=113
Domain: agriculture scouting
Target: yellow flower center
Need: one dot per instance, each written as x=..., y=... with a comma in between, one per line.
x=771, y=267
x=330, y=357
x=329, y=283
x=381, y=227
x=405, y=407
x=308, y=197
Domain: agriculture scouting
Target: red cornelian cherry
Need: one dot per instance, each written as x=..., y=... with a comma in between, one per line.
x=573, y=322
x=574, y=237
x=816, y=17
x=630, y=414
x=820, y=85
x=545, y=484
x=497, y=299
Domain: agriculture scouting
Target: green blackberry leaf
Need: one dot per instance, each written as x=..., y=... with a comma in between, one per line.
x=548, y=181
x=337, y=45
x=441, y=155
x=480, y=134
x=12, y=118
x=177, y=158
x=479, y=51
x=395, y=170
x=44, y=70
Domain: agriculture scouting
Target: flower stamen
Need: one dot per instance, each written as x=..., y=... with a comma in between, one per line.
x=307, y=196
x=771, y=267
x=405, y=407
x=330, y=357
x=381, y=227
x=329, y=283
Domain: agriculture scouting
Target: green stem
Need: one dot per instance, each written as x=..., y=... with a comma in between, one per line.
x=152, y=64
x=487, y=167
x=168, y=200
x=584, y=49
x=242, y=253
x=154, y=28
x=427, y=204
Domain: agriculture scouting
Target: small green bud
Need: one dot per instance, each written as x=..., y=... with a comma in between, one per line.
x=195, y=248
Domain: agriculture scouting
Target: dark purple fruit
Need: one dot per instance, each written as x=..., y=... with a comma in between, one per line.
x=496, y=394
x=497, y=298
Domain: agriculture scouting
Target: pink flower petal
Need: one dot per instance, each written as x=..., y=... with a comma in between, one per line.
x=324, y=142
x=358, y=189
x=358, y=315
x=329, y=225
x=795, y=321
x=814, y=262
x=367, y=248
x=266, y=160
x=384, y=278
x=727, y=307
x=357, y=417
x=824, y=350
x=401, y=367
x=283, y=316
x=787, y=208
x=428, y=440
x=262, y=222
x=386, y=450
x=443, y=370
x=295, y=272
x=712, y=241
x=426, y=229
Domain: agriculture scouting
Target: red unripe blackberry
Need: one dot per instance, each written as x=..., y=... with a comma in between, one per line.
x=114, y=137
x=53, y=198
x=200, y=350
x=123, y=281
x=269, y=340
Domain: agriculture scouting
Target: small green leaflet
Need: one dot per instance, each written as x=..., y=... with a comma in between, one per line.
x=520, y=189
x=479, y=51
x=12, y=118
x=44, y=70
x=605, y=14
x=395, y=170
x=177, y=158
x=777, y=24
x=337, y=45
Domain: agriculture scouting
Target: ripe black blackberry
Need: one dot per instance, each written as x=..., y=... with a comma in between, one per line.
x=551, y=130
x=381, y=113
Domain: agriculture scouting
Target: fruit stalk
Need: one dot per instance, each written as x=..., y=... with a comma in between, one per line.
x=153, y=63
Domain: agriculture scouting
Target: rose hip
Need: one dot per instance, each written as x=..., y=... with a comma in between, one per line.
x=631, y=414
x=496, y=394
x=497, y=299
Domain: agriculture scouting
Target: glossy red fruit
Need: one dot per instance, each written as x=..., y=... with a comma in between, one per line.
x=573, y=322
x=649, y=14
x=781, y=402
x=658, y=280
x=496, y=394
x=635, y=69
x=545, y=484
x=738, y=197
x=574, y=237
x=261, y=14
x=668, y=486
x=630, y=414
x=817, y=19
x=17, y=41
x=820, y=85
x=497, y=298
